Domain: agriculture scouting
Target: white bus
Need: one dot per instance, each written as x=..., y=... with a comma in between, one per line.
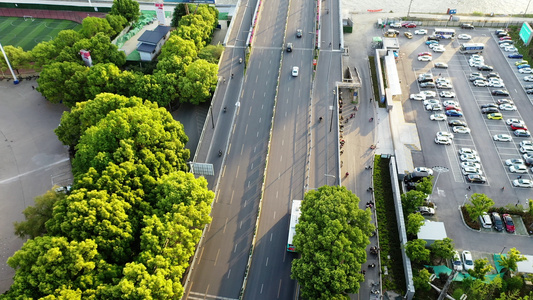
x=472, y=48
x=295, y=215
x=445, y=33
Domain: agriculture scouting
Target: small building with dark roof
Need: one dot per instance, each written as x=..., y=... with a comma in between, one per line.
x=151, y=41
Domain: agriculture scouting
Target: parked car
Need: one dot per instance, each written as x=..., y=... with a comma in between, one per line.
x=528, y=78
x=467, y=260
x=500, y=93
x=395, y=25
x=425, y=58
x=512, y=121
x=461, y=129
x=409, y=25
x=489, y=110
x=521, y=62
x=525, y=71
x=425, y=54
x=485, y=68
x=467, y=26
x=481, y=82
x=476, y=178
x=441, y=65
x=438, y=117
x=509, y=224
x=523, y=66
x=485, y=220
x=525, y=183
x=515, y=55
x=408, y=35
x=504, y=101
x=510, y=49
x=518, y=126
x=493, y=75
x=518, y=168
x=453, y=123
x=522, y=133
x=457, y=262
x=433, y=38
x=496, y=221
x=428, y=94
x=514, y=161
x=443, y=140
x=507, y=107
x=447, y=94
x=421, y=31
x=426, y=211
x=454, y=113
x=418, y=97
x=434, y=107
x=464, y=36
x=428, y=85
x=503, y=137
x=439, y=49
x=495, y=116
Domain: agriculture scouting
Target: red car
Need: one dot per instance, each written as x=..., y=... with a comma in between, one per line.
x=505, y=38
x=409, y=25
x=450, y=107
x=424, y=53
x=508, y=221
x=516, y=126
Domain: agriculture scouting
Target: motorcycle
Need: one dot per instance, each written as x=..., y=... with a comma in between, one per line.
x=219, y=153
x=240, y=60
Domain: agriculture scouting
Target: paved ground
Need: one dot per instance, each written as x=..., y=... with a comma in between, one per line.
x=32, y=160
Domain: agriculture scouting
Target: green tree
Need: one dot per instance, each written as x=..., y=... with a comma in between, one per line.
x=93, y=25
x=89, y=113
x=117, y=23
x=129, y=9
x=481, y=268
x=211, y=53
x=444, y=248
x=36, y=216
x=416, y=250
x=199, y=80
x=480, y=203
x=66, y=39
x=100, y=79
x=509, y=261
x=100, y=47
x=18, y=58
x=194, y=33
x=56, y=81
x=412, y=200
x=425, y=185
x=160, y=88
x=421, y=280
x=45, y=264
x=414, y=223
x=43, y=53
x=330, y=235
x=176, y=45
x=515, y=283
x=179, y=11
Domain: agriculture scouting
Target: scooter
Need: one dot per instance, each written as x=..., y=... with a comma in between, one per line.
x=240, y=60
x=219, y=153
x=225, y=108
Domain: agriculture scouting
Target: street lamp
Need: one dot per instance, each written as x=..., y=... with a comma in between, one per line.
x=525, y=12
x=439, y=170
x=329, y=175
x=409, y=10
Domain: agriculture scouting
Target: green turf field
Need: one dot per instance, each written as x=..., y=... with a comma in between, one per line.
x=26, y=34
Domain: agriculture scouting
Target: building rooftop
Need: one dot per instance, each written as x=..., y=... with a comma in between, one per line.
x=154, y=36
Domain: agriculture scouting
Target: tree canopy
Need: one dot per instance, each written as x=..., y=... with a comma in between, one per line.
x=412, y=200
x=331, y=236
x=129, y=9
x=444, y=248
x=416, y=250
x=480, y=204
x=414, y=223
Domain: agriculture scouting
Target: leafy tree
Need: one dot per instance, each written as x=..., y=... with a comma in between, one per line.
x=481, y=268
x=93, y=25
x=199, y=80
x=89, y=113
x=194, y=33
x=101, y=48
x=100, y=79
x=18, y=58
x=117, y=23
x=331, y=236
x=425, y=185
x=55, y=81
x=45, y=264
x=211, y=53
x=160, y=88
x=444, y=248
x=480, y=203
x=172, y=64
x=148, y=136
x=36, y=216
x=179, y=11
x=176, y=45
x=414, y=222
x=416, y=250
x=421, y=280
x=129, y=9
x=66, y=39
x=514, y=283
x=510, y=260
x=412, y=200
x=43, y=53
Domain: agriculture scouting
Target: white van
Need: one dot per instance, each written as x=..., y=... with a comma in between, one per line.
x=485, y=221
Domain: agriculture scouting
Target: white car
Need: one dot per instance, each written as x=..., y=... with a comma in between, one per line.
x=457, y=262
x=438, y=117
x=507, y=106
x=503, y=45
x=439, y=49
x=424, y=170
x=525, y=183
x=525, y=71
x=447, y=94
x=295, y=71
x=527, y=156
x=476, y=56
x=471, y=171
x=512, y=121
x=526, y=149
x=496, y=83
x=434, y=107
x=450, y=102
x=446, y=134
x=443, y=140
x=425, y=58
x=476, y=63
x=502, y=138
x=467, y=151
x=421, y=31
x=444, y=85
x=431, y=101
x=418, y=97
x=461, y=129
x=442, y=80
x=514, y=161
x=432, y=45
x=518, y=168
x=528, y=78
x=467, y=260
x=470, y=157
x=428, y=94
x=510, y=49
x=481, y=83
x=464, y=36
x=467, y=164
x=526, y=143
x=395, y=25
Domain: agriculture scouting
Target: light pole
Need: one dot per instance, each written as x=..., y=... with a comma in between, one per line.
x=466, y=198
x=409, y=9
x=439, y=170
x=525, y=12
x=328, y=175
x=502, y=250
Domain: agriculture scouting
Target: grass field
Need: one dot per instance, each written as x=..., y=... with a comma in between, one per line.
x=26, y=34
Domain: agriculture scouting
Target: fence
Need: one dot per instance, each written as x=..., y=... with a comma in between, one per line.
x=477, y=24
x=75, y=16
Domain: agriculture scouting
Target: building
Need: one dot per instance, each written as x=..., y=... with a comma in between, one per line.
x=431, y=232
x=151, y=41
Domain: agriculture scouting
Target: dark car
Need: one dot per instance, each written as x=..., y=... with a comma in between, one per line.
x=441, y=65
x=489, y=105
x=505, y=42
x=515, y=55
x=476, y=178
x=528, y=87
x=500, y=93
x=457, y=123
x=425, y=79
x=467, y=26
x=427, y=85
x=508, y=221
x=493, y=75
x=485, y=68
x=489, y=110
x=454, y=113
x=496, y=221
x=529, y=91
x=289, y=47
x=529, y=161
x=433, y=38
x=299, y=33
x=474, y=78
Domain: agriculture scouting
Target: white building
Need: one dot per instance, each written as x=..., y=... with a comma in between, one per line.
x=151, y=41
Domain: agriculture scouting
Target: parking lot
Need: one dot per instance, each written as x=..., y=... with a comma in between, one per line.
x=470, y=98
